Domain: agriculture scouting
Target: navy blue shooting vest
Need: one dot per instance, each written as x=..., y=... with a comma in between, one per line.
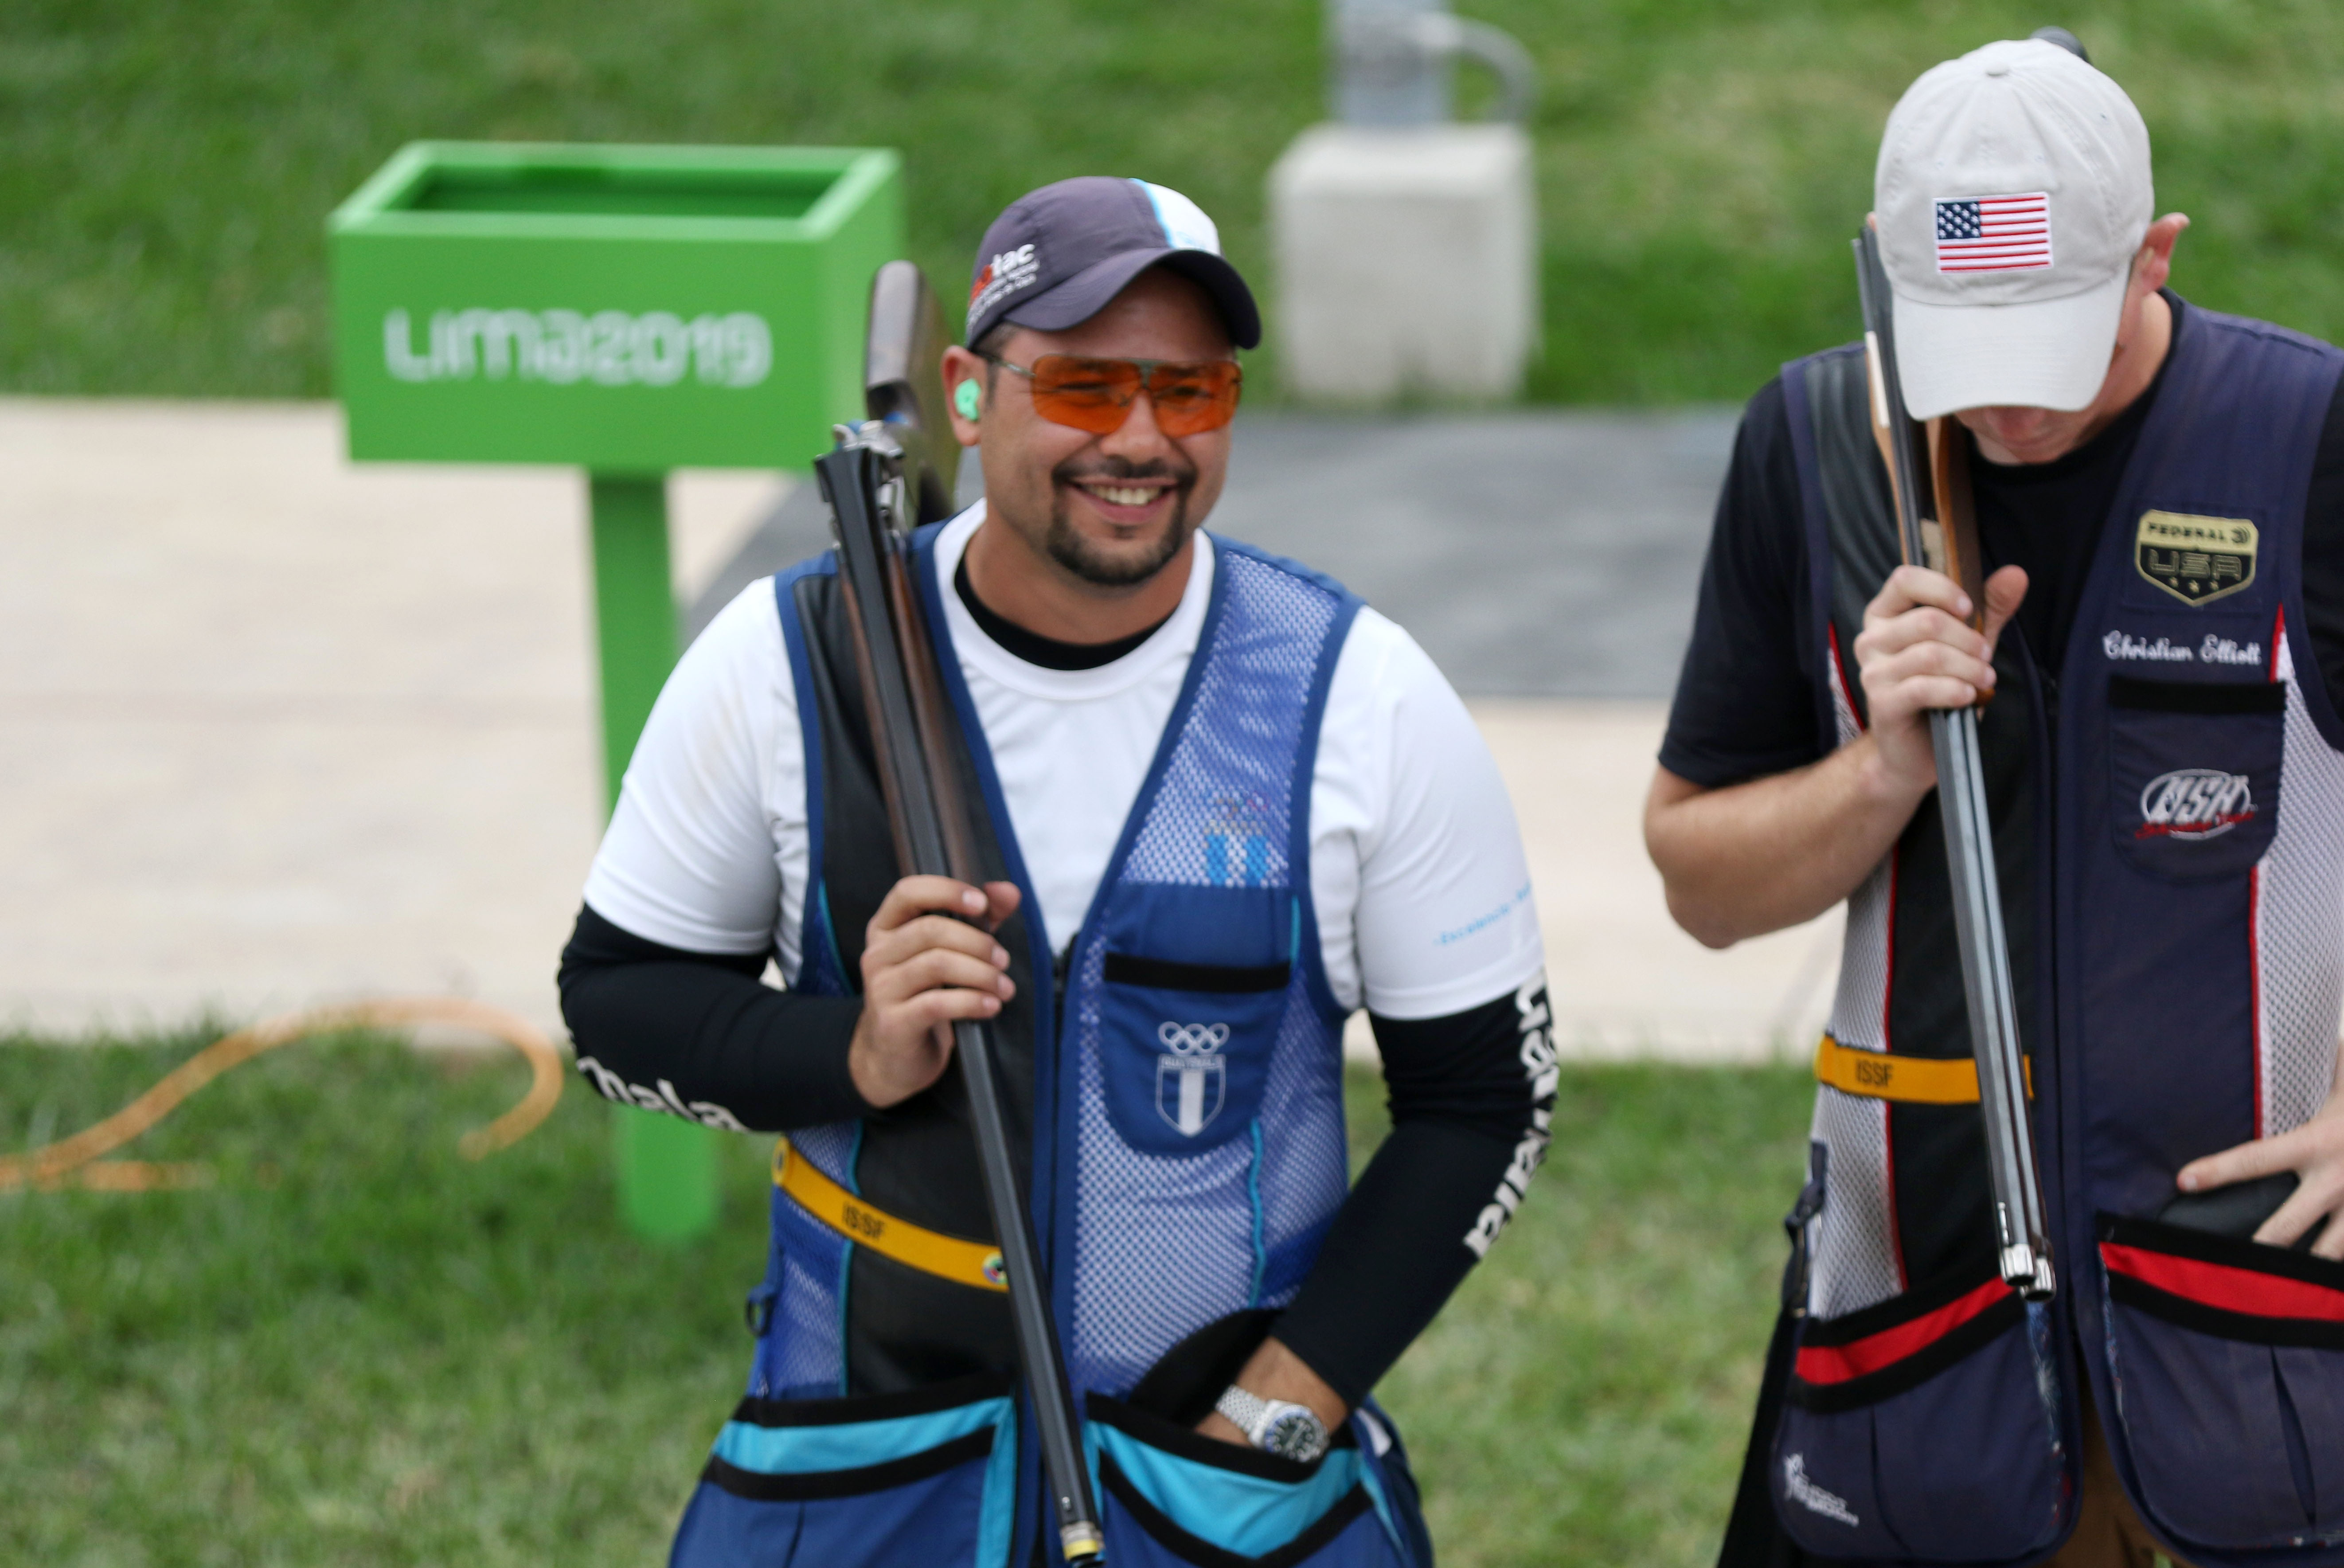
x=1177, y=1079
x=2168, y=810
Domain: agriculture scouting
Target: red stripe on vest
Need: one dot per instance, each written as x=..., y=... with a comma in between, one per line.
x=2229, y=1289
x=1838, y=1363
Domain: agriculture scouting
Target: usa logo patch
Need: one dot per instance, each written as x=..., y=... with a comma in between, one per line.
x=1994, y=233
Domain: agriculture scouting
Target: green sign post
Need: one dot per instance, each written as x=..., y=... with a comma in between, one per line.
x=627, y=310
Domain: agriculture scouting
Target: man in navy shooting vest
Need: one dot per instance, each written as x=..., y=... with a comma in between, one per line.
x=2159, y=493
x=1225, y=805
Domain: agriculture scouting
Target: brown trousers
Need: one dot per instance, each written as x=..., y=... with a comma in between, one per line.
x=2108, y=1531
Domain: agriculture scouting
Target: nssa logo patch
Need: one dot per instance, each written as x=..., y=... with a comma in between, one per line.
x=2196, y=559
x=2194, y=804
x=1192, y=1079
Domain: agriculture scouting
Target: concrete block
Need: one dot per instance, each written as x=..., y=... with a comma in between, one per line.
x=1407, y=262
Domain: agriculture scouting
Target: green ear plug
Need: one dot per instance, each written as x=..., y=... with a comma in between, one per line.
x=964, y=398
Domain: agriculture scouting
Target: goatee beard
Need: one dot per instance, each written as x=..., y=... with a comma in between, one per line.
x=1076, y=554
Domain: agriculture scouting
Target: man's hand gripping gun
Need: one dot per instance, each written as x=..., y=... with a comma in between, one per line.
x=887, y=475
x=1928, y=468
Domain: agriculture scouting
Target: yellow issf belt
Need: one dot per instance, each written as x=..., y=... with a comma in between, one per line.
x=972, y=1263
x=1908, y=1080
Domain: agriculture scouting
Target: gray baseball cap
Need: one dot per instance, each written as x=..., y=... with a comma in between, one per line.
x=2013, y=191
x=1055, y=255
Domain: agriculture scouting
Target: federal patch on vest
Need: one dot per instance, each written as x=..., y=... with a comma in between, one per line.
x=2196, y=559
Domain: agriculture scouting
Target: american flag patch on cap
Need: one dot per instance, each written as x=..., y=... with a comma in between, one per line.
x=1994, y=233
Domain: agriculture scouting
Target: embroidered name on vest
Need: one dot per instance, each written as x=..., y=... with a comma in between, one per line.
x=2214, y=650
x=2197, y=560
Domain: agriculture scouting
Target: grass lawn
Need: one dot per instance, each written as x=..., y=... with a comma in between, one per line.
x=166, y=165
x=358, y=1348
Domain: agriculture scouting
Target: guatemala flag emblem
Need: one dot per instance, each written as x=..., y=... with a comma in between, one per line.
x=1193, y=1079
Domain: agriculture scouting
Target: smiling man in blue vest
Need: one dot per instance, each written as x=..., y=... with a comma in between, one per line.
x=1226, y=806
x=2159, y=491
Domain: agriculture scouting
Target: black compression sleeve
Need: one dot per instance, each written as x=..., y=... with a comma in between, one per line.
x=699, y=1035
x=1471, y=1096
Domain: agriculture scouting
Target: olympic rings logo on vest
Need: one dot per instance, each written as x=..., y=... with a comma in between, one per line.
x=2192, y=804
x=1192, y=1082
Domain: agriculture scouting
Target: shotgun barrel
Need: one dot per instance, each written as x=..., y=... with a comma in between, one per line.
x=884, y=477
x=1928, y=470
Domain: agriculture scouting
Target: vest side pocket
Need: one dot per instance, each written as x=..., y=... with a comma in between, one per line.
x=863, y=1482
x=2228, y=1362
x=1173, y=1499
x=1916, y=1428
x=2194, y=774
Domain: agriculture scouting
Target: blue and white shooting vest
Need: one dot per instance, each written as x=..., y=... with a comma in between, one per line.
x=1182, y=1101
x=2168, y=810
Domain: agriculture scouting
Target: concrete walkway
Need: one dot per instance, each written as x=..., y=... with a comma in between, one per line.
x=275, y=728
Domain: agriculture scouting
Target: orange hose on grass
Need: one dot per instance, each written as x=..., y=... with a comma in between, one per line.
x=74, y=1161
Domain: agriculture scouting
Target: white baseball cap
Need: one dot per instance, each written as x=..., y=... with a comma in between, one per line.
x=2013, y=192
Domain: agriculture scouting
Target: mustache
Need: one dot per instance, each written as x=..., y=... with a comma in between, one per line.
x=1109, y=470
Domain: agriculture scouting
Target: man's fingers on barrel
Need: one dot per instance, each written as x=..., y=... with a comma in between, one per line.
x=1909, y=586
x=913, y=896
x=1002, y=899
x=940, y=968
x=1939, y=659
x=1925, y=623
x=933, y=931
x=1933, y=663
x=939, y=1006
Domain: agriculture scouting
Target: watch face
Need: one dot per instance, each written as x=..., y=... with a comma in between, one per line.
x=1294, y=1435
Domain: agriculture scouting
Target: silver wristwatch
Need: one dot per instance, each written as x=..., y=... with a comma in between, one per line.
x=1281, y=1427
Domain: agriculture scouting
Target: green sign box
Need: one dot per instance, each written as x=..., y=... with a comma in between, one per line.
x=626, y=309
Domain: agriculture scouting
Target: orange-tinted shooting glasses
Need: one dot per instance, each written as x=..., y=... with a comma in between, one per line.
x=1190, y=397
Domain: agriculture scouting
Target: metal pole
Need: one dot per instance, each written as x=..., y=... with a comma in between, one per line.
x=667, y=1166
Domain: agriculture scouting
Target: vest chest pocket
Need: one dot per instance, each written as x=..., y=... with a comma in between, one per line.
x=2194, y=774
x=1185, y=1047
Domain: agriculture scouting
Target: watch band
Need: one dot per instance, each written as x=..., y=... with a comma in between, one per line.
x=1256, y=1417
x=1245, y=1411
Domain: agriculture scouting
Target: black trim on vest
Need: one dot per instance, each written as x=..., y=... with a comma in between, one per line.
x=1188, y=1443
x=853, y=1408
x=2310, y=1333
x=1956, y=1345
x=1167, y=975
x=2197, y=696
x=1204, y=1554
x=2207, y=1246
x=906, y=1330
x=1864, y=1322
x=761, y=1486
x=1854, y=492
